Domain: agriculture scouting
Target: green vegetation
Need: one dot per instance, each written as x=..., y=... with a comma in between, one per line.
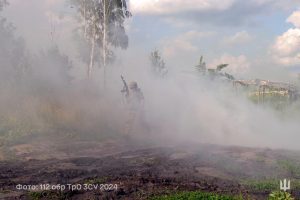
x=5, y=191
x=201, y=66
x=266, y=185
x=292, y=167
x=35, y=195
x=196, y=196
x=220, y=67
x=280, y=195
x=12, y=128
x=158, y=64
x=278, y=102
x=96, y=180
x=57, y=195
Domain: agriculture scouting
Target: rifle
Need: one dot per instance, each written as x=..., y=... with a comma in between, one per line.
x=125, y=88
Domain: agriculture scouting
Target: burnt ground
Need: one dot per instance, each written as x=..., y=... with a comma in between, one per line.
x=141, y=171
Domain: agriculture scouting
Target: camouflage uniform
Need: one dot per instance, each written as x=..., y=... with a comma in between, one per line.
x=135, y=101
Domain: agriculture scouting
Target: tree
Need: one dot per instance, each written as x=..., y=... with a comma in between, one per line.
x=103, y=28
x=2, y=4
x=14, y=58
x=158, y=64
x=220, y=67
x=217, y=72
x=201, y=67
x=53, y=65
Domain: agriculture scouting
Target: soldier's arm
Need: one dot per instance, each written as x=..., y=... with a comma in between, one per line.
x=142, y=95
x=142, y=98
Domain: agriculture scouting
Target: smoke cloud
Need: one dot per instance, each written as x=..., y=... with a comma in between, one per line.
x=42, y=98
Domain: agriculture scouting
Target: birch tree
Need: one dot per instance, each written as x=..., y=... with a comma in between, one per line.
x=103, y=27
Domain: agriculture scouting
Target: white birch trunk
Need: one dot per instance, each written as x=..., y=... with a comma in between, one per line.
x=104, y=41
x=84, y=16
x=91, y=65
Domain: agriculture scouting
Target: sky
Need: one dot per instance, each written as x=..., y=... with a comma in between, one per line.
x=252, y=36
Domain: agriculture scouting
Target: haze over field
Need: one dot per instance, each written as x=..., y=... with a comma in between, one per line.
x=45, y=89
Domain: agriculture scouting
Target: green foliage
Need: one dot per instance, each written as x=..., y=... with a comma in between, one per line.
x=196, y=196
x=229, y=76
x=12, y=128
x=158, y=64
x=280, y=195
x=292, y=167
x=213, y=73
x=92, y=20
x=268, y=185
x=2, y=4
x=96, y=180
x=54, y=65
x=221, y=66
x=274, y=100
x=35, y=195
x=265, y=185
x=13, y=55
x=201, y=67
x=57, y=195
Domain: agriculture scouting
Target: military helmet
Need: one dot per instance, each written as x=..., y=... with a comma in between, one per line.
x=133, y=85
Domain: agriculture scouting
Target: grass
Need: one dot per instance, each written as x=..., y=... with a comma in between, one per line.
x=5, y=191
x=35, y=195
x=96, y=180
x=276, y=101
x=12, y=128
x=269, y=185
x=198, y=195
x=49, y=117
x=292, y=167
x=280, y=195
x=51, y=195
x=265, y=185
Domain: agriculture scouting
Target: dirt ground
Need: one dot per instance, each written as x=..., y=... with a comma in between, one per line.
x=139, y=171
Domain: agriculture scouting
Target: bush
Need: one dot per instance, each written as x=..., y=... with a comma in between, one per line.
x=280, y=195
x=196, y=196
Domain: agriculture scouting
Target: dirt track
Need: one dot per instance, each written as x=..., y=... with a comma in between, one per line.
x=143, y=172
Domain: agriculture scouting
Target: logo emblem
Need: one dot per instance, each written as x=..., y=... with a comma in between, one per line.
x=285, y=185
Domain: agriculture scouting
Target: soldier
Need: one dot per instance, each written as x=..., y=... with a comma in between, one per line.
x=135, y=98
x=135, y=101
